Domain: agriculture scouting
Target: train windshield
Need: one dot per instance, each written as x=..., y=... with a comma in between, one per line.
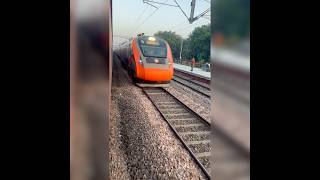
x=153, y=48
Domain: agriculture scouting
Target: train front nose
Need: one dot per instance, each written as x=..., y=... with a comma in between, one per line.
x=155, y=69
x=157, y=74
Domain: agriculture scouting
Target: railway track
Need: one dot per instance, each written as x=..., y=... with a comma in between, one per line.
x=194, y=85
x=190, y=75
x=194, y=80
x=229, y=86
x=193, y=131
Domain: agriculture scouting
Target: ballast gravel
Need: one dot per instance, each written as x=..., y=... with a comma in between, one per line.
x=198, y=103
x=142, y=146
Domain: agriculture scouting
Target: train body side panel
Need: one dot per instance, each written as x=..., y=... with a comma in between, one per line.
x=136, y=56
x=169, y=55
x=123, y=52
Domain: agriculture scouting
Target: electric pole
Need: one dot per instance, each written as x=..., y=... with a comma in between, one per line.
x=193, y=4
x=181, y=48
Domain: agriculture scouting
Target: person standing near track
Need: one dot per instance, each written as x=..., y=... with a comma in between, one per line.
x=193, y=62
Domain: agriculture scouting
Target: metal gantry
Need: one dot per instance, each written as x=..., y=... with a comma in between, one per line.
x=191, y=19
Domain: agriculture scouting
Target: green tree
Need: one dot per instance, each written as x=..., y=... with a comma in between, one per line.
x=173, y=40
x=199, y=43
x=186, y=49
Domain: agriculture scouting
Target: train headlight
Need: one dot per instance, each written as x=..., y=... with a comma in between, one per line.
x=140, y=61
x=151, y=38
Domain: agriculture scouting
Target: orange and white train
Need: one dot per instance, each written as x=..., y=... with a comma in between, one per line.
x=148, y=60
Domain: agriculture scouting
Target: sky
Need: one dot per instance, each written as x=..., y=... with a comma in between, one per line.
x=131, y=17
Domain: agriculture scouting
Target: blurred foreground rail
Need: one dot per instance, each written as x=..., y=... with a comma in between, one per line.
x=231, y=93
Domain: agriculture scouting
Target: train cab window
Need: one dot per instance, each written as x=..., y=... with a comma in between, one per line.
x=153, y=47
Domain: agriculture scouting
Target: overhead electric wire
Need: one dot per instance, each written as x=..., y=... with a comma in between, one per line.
x=149, y=1
x=142, y=13
x=192, y=25
x=148, y=17
x=173, y=27
x=181, y=9
x=151, y=5
x=145, y=20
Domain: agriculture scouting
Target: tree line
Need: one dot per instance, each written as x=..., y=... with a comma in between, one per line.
x=196, y=45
